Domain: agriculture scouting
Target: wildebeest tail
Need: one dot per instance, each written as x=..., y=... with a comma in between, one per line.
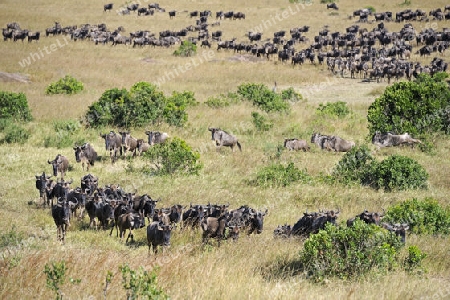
x=239, y=146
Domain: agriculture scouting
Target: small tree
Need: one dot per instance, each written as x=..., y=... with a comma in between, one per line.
x=261, y=122
x=56, y=275
x=141, y=283
x=186, y=49
x=262, y=97
x=14, y=106
x=279, y=175
x=66, y=85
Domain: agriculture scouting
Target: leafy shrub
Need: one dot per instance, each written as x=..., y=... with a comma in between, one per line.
x=14, y=133
x=262, y=97
x=14, y=106
x=278, y=175
x=291, y=95
x=217, y=102
x=66, y=85
x=396, y=173
x=349, y=252
x=414, y=259
x=261, y=123
x=141, y=283
x=173, y=157
x=56, y=275
x=186, y=49
x=338, y=109
x=422, y=216
x=143, y=104
x=63, y=134
x=353, y=165
x=371, y=9
x=421, y=106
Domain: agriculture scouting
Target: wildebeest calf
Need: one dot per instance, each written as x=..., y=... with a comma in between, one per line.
x=296, y=144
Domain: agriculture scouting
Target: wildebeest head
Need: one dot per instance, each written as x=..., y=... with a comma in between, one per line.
x=398, y=229
x=257, y=222
x=57, y=164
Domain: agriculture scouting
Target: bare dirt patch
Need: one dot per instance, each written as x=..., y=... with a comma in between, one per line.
x=14, y=77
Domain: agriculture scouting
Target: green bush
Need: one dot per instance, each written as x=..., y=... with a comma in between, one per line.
x=14, y=106
x=338, y=109
x=14, y=133
x=353, y=165
x=174, y=156
x=291, y=95
x=141, y=283
x=186, y=49
x=413, y=262
x=262, y=97
x=350, y=252
x=278, y=175
x=66, y=85
x=143, y=104
x=371, y=9
x=396, y=173
x=326, y=1
x=421, y=106
x=423, y=216
x=261, y=122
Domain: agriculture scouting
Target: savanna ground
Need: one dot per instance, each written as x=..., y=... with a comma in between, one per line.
x=251, y=268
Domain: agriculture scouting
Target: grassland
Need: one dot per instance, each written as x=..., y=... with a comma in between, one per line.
x=240, y=270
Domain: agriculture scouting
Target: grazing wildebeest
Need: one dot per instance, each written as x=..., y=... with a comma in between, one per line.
x=85, y=154
x=158, y=235
x=320, y=140
x=332, y=5
x=33, y=36
x=398, y=229
x=367, y=217
x=338, y=144
x=41, y=184
x=61, y=216
x=129, y=143
x=223, y=138
x=156, y=137
x=391, y=140
x=113, y=143
x=296, y=144
x=108, y=6
x=59, y=164
x=130, y=221
x=172, y=13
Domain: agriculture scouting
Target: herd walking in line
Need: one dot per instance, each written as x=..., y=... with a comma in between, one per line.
x=112, y=207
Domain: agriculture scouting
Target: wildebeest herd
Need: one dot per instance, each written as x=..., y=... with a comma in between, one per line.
x=373, y=54
x=112, y=207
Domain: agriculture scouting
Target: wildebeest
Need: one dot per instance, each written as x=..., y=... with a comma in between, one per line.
x=296, y=144
x=142, y=146
x=398, y=229
x=333, y=6
x=113, y=143
x=367, y=217
x=172, y=13
x=129, y=143
x=320, y=140
x=340, y=145
x=223, y=138
x=108, y=6
x=130, y=221
x=61, y=216
x=41, y=184
x=391, y=140
x=214, y=227
x=33, y=36
x=158, y=235
x=77, y=201
x=283, y=231
x=156, y=137
x=193, y=216
x=59, y=164
x=311, y=223
x=85, y=154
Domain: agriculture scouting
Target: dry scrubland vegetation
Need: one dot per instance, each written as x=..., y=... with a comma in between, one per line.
x=235, y=270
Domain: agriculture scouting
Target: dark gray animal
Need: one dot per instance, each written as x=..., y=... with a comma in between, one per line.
x=142, y=146
x=156, y=137
x=320, y=140
x=296, y=144
x=60, y=165
x=130, y=221
x=214, y=227
x=129, y=143
x=338, y=144
x=113, y=144
x=223, y=138
x=61, y=216
x=391, y=140
x=33, y=36
x=367, y=217
x=398, y=229
x=332, y=5
x=85, y=154
x=158, y=235
x=41, y=185
x=283, y=231
x=108, y=6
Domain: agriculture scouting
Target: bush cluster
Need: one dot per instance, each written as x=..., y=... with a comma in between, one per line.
x=262, y=97
x=349, y=252
x=143, y=104
x=222, y=100
x=423, y=216
x=173, y=157
x=394, y=173
x=278, y=175
x=66, y=85
x=14, y=106
x=338, y=109
x=186, y=49
x=261, y=122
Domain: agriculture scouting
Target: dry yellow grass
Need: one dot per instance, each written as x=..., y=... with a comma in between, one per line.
x=235, y=270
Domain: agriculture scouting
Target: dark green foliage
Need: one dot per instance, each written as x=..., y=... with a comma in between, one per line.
x=143, y=104
x=66, y=85
x=278, y=175
x=353, y=165
x=326, y=1
x=14, y=106
x=338, y=109
x=423, y=216
x=291, y=95
x=13, y=133
x=421, y=106
x=186, y=49
x=261, y=122
x=371, y=9
x=262, y=97
x=413, y=262
x=349, y=252
x=64, y=134
x=222, y=100
x=141, y=283
x=174, y=156
x=396, y=173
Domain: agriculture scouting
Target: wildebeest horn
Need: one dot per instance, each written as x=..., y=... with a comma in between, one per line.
x=49, y=161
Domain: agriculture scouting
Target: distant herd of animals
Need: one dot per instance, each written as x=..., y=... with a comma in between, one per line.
x=374, y=55
x=112, y=207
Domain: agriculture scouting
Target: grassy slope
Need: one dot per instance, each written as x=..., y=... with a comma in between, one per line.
x=235, y=270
